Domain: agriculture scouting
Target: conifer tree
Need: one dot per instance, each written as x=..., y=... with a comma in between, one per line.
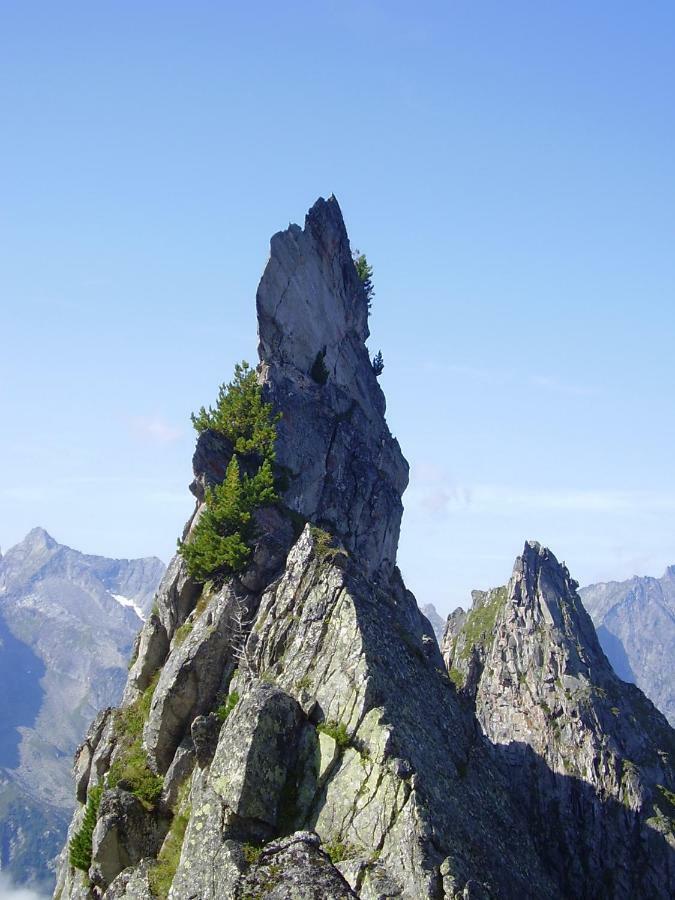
x=365, y=273
x=221, y=540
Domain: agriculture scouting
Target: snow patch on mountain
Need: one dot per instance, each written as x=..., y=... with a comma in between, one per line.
x=126, y=601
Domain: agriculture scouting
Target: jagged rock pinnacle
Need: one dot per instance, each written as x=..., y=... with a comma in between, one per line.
x=346, y=472
x=307, y=691
x=568, y=728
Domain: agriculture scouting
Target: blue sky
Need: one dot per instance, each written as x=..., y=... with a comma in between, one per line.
x=509, y=170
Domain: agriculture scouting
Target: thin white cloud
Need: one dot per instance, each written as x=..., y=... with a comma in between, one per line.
x=549, y=383
x=436, y=495
x=155, y=429
x=8, y=891
x=24, y=494
x=165, y=496
x=557, y=386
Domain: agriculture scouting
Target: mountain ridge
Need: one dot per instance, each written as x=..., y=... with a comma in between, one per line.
x=635, y=620
x=292, y=720
x=64, y=644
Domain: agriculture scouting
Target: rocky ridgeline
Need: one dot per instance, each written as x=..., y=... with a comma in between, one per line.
x=589, y=755
x=301, y=734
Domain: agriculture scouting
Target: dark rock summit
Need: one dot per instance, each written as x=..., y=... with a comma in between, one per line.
x=292, y=730
x=346, y=472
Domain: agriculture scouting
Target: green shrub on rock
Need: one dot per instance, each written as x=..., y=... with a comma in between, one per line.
x=337, y=731
x=221, y=540
x=365, y=273
x=227, y=706
x=80, y=844
x=130, y=768
x=241, y=415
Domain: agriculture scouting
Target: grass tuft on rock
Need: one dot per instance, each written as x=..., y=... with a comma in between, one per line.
x=228, y=704
x=338, y=731
x=130, y=769
x=161, y=876
x=339, y=850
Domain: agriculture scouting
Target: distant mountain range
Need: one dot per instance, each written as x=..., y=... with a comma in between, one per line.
x=635, y=621
x=67, y=625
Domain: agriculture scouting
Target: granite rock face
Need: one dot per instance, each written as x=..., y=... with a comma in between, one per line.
x=310, y=741
x=590, y=755
x=635, y=620
x=346, y=472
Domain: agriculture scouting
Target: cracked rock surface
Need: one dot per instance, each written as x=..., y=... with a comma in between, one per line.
x=589, y=754
x=310, y=739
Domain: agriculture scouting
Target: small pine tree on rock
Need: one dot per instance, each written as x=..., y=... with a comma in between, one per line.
x=378, y=363
x=221, y=540
x=80, y=844
x=365, y=273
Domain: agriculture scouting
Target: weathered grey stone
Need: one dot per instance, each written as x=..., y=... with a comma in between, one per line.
x=238, y=799
x=345, y=470
x=194, y=673
x=585, y=751
x=85, y=752
x=255, y=752
x=180, y=769
x=176, y=596
x=295, y=867
x=103, y=750
x=151, y=651
x=205, y=731
x=125, y=833
x=132, y=883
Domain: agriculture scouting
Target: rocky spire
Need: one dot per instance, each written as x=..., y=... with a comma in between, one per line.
x=345, y=471
x=569, y=731
x=291, y=728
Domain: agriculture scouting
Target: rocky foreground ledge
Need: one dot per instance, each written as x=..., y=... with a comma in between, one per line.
x=293, y=727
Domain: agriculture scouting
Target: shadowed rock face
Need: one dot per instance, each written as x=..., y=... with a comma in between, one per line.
x=570, y=732
x=345, y=762
x=636, y=626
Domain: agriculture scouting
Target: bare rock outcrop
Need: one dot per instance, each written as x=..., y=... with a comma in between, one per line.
x=345, y=471
x=589, y=755
x=300, y=718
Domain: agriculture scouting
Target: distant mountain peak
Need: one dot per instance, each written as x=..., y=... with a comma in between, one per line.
x=68, y=621
x=436, y=621
x=635, y=620
x=39, y=536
